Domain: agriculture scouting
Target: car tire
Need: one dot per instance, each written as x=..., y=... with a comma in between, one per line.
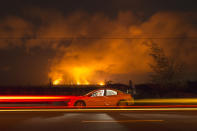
x=122, y=103
x=80, y=104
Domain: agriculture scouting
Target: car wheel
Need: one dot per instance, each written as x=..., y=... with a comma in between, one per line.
x=80, y=104
x=122, y=103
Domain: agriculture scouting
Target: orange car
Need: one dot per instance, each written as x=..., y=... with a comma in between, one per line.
x=103, y=97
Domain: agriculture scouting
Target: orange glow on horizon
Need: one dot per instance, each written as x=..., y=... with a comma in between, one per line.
x=57, y=81
x=80, y=75
x=101, y=83
x=78, y=83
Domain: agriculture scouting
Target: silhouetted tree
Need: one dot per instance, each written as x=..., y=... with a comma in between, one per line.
x=166, y=71
x=108, y=83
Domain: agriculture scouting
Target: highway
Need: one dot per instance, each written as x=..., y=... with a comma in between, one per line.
x=137, y=119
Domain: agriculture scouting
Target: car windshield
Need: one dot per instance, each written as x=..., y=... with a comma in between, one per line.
x=95, y=93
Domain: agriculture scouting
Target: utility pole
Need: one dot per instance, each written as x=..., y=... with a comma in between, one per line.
x=132, y=86
x=50, y=82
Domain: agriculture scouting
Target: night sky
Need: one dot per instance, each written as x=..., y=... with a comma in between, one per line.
x=32, y=49
x=109, y=7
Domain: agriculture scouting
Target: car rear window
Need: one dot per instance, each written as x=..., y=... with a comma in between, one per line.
x=111, y=92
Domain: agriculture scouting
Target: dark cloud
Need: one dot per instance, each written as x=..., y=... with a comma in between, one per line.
x=109, y=7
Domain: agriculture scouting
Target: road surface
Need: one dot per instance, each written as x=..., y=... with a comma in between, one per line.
x=114, y=120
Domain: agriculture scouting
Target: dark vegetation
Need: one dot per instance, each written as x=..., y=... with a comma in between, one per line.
x=156, y=91
x=142, y=90
x=167, y=71
x=57, y=90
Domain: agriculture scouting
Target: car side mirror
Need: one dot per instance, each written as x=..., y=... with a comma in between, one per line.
x=90, y=95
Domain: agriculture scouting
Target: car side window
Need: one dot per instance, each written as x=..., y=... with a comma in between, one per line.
x=98, y=93
x=111, y=93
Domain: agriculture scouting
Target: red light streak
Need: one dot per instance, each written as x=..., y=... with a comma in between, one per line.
x=34, y=98
x=99, y=107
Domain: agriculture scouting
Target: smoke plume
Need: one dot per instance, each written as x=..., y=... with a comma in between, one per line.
x=93, y=48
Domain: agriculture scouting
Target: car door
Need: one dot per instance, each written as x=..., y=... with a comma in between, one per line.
x=97, y=98
x=112, y=97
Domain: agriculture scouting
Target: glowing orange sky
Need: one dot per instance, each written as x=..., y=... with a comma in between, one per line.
x=97, y=48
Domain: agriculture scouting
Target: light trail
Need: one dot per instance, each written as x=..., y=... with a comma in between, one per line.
x=120, y=121
x=34, y=98
x=37, y=98
x=97, y=110
x=169, y=100
x=96, y=107
x=31, y=97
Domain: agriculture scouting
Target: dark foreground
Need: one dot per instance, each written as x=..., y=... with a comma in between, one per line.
x=135, y=120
